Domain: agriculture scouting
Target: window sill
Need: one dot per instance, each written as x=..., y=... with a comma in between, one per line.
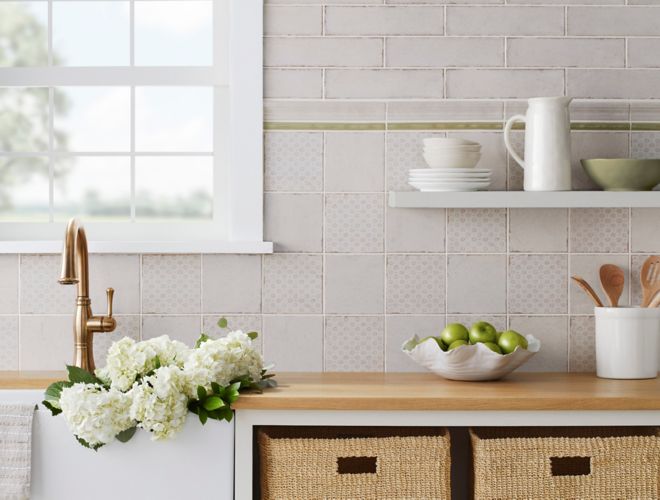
x=152, y=247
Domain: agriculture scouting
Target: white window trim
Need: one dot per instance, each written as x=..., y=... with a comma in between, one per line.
x=242, y=137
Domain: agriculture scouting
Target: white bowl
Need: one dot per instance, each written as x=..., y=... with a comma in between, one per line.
x=452, y=148
x=469, y=362
x=452, y=160
x=447, y=141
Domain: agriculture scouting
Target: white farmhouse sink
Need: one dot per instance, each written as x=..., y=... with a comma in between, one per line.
x=198, y=463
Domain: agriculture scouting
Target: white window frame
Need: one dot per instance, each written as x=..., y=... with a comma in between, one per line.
x=238, y=157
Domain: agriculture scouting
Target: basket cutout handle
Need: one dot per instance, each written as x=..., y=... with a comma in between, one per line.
x=570, y=466
x=357, y=465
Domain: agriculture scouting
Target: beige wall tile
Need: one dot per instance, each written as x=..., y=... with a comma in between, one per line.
x=383, y=84
x=400, y=329
x=552, y=331
x=324, y=2
x=509, y=21
x=538, y=230
x=294, y=343
x=566, y=52
x=644, y=52
x=415, y=230
x=504, y=83
x=412, y=20
x=9, y=284
x=354, y=284
x=294, y=222
x=46, y=342
x=171, y=284
x=582, y=347
x=599, y=230
x=121, y=272
x=354, y=222
x=613, y=21
x=447, y=2
x=476, y=284
x=293, y=83
x=354, y=161
x=613, y=83
x=293, y=284
x=293, y=20
x=293, y=161
x=645, y=145
x=9, y=341
x=323, y=111
x=441, y=111
x=186, y=329
x=444, y=51
x=354, y=343
x=569, y=2
x=645, y=236
x=471, y=230
x=40, y=292
x=537, y=284
x=588, y=267
x=326, y=51
x=231, y=284
x=416, y=284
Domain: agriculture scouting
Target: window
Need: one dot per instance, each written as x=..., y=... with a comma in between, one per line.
x=142, y=117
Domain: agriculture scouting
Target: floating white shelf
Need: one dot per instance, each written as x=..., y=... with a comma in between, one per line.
x=524, y=199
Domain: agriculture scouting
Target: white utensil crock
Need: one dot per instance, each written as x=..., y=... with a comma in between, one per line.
x=547, y=162
x=627, y=341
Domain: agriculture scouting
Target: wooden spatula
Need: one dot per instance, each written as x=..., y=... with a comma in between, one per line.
x=612, y=279
x=588, y=290
x=650, y=279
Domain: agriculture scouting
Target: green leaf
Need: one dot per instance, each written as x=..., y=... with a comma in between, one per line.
x=125, y=436
x=202, y=338
x=53, y=409
x=201, y=392
x=252, y=335
x=78, y=375
x=203, y=416
x=54, y=390
x=222, y=323
x=213, y=403
x=157, y=363
x=87, y=445
x=215, y=387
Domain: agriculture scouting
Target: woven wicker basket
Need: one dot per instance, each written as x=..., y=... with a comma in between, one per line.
x=566, y=463
x=301, y=463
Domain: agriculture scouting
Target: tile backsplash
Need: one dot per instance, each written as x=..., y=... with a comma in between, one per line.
x=352, y=86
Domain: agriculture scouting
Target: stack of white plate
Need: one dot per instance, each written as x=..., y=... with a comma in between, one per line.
x=449, y=179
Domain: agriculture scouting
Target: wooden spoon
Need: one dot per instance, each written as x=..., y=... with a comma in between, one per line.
x=656, y=301
x=649, y=277
x=588, y=290
x=612, y=279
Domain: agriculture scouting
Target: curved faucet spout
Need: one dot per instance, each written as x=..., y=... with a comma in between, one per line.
x=75, y=266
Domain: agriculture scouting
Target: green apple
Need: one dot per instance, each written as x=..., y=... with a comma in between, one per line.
x=482, y=331
x=457, y=343
x=497, y=336
x=454, y=332
x=441, y=344
x=493, y=347
x=509, y=340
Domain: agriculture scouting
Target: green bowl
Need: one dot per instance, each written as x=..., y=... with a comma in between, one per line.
x=623, y=174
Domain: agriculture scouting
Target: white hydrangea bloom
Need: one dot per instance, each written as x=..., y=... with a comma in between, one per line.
x=95, y=414
x=221, y=361
x=160, y=404
x=127, y=359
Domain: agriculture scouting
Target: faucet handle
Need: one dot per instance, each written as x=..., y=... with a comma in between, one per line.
x=110, y=292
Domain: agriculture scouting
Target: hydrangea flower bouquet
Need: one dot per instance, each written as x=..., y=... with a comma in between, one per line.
x=153, y=385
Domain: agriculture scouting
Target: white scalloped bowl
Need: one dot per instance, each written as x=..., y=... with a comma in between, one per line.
x=469, y=362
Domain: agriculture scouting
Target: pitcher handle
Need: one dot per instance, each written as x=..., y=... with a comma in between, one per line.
x=507, y=141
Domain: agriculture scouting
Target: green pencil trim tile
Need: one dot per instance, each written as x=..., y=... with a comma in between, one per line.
x=647, y=126
x=322, y=126
x=446, y=126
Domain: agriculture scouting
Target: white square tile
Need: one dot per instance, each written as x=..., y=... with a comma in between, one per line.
x=231, y=283
x=354, y=222
x=354, y=161
x=121, y=272
x=537, y=284
x=46, y=342
x=9, y=340
x=599, y=230
x=245, y=323
x=293, y=161
x=538, y=230
x=552, y=331
x=415, y=229
x=294, y=222
x=186, y=329
x=645, y=236
x=40, y=291
x=171, y=284
x=294, y=343
x=293, y=284
x=354, y=343
x=9, y=284
x=476, y=284
x=402, y=328
x=416, y=284
x=476, y=230
x=354, y=284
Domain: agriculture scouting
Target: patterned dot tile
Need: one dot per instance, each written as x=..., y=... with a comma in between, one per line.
x=645, y=145
x=582, y=346
x=9, y=342
x=40, y=291
x=537, y=284
x=293, y=284
x=171, y=284
x=416, y=284
x=404, y=151
x=354, y=343
x=599, y=230
x=471, y=230
x=354, y=222
x=293, y=161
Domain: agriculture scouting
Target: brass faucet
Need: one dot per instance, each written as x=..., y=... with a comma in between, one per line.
x=75, y=270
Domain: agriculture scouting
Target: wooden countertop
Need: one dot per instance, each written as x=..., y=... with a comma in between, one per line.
x=422, y=391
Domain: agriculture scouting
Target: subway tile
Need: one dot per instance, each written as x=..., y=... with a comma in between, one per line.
x=354, y=161
x=400, y=329
x=9, y=336
x=292, y=284
x=186, y=329
x=552, y=331
x=242, y=272
x=127, y=326
x=476, y=284
x=404, y=151
x=599, y=230
x=294, y=222
x=293, y=161
x=354, y=284
x=171, y=284
x=645, y=236
x=444, y=51
x=294, y=343
x=445, y=2
x=648, y=111
x=538, y=230
x=612, y=21
x=9, y=284
x=293, y=83
x=599, y=111
x=493, y=155
x=40, y=292
x=505, y=20
x=444, y=111
x=569, y=2
x=566, y=52
x=537, y=284
x=480, y=230
x=121, y=272
x=613, y=83
x=415, y=284
x=594, y=145
x=588, y=267
x=415, y=229
x=323, y=51
x=323, y=111
x=293, y=20
x=644, y=52
x=324, y=2
x=582, y=345
x=384, y=20
x=383, y=83
x=354, y=344
x=46, y=342
x=354, y=222
x=504, y=83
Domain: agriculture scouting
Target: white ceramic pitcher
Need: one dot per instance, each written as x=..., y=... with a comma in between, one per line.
x=547, y=162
